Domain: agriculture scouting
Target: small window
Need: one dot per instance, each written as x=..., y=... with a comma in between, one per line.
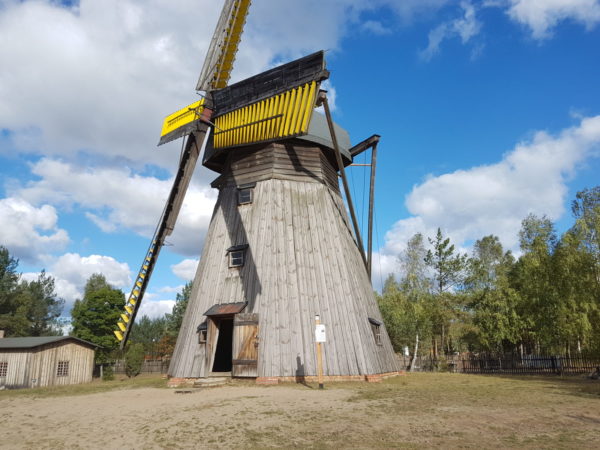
x=202, y=330
x=236, y=259
x=3, y=369
x=245, y=193
x=237, y=255
x=244, y=196
x=376, y=329
x=63, y=369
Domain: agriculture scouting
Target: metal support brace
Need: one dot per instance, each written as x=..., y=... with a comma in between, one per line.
x=322, y=99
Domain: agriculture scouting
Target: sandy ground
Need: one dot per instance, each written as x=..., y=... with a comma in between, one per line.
x=392, y=414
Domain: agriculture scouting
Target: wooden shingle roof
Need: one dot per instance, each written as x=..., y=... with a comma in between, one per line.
x=37, y=341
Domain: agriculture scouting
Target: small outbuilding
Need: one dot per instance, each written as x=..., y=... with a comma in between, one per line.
x=45, y=361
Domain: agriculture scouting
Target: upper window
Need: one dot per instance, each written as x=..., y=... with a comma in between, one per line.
x=376, y=329
x=62, y=369
x=244, y=196
x=245, y=193
x=3, y=369
x=236, y=259
x=237, y=255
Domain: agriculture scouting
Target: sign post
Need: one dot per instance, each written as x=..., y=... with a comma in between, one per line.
x=319, y=338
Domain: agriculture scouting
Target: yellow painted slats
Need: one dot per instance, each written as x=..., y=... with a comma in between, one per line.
x=310, y=103
x=301, y=108
x=121, y=326
x=295, y=110
x=119, y=335
x=290, y=112
x=182, y=117
x=125, y=318
x=129, y=309
x=274, y=124
x=285, y=103
x=281, y=116
x=230, y=44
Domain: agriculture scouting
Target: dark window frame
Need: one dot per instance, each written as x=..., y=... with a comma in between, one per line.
x=202, y=332
x=62, y=369
x=245, y=193
x=237, y=255
x=245, y=196
x=3, y=369
x=237, y=258
x=376, y=329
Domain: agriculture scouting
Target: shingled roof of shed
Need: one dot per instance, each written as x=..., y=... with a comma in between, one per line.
x=37, y=341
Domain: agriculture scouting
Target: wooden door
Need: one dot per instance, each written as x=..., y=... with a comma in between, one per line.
x=245, y=345
x=212, y=336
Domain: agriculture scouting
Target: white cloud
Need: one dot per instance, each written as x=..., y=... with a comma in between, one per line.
x=407, y=10
x=494, y=199
x=76, y=269
x=155, y=308
x=465, y=28
x=29, y=232
x=115, y=198
x=383, y=265
x=71, y=271
x=375, y=27
x=543, y=16
x=171, y=289
x=100, y=77
x=186, y=269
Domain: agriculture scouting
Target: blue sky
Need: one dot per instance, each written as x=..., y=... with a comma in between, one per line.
x=488, y=111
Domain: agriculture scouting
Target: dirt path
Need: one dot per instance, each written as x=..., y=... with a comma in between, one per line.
x=420, y=411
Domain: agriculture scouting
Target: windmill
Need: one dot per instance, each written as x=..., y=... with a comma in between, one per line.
x=280, y=249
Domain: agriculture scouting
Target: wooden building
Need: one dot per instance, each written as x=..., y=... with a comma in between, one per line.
x=279, y=251
x=45, y=361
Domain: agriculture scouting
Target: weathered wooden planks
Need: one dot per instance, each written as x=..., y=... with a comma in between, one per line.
x=302, y=260
x=37, y=366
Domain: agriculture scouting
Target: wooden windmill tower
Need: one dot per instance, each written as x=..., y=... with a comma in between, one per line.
x=280, y=249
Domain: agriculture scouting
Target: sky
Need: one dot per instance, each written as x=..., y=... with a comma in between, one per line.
x=487, y=110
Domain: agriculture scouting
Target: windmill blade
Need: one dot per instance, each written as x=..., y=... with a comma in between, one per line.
x=187, y=163
x=273, y=105
x=185, y=121
x=215, y=71
x=224, y=45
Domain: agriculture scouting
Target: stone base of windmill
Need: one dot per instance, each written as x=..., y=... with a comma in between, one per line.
x=211, y=381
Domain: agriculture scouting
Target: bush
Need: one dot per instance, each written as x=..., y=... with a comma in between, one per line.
x=108, y=373
x=134, y=358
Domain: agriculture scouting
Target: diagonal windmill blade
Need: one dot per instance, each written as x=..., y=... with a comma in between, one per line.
x=194, y=122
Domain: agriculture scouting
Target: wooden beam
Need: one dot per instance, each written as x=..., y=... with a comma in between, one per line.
x=371, y=205
x=362, y=146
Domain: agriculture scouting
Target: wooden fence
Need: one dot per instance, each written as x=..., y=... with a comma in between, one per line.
x=505, y=365
x=148, y=366
x=529, y=365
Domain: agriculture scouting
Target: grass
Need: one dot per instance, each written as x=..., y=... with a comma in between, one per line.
x=450, y=410
x=421, y=410
x=96, y=386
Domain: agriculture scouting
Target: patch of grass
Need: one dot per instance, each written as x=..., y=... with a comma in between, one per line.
x=96, y=386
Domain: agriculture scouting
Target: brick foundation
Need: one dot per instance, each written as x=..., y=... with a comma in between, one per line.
x=180, y=382
x=375, y=378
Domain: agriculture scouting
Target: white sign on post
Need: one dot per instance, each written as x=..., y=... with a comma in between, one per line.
x=320, y=333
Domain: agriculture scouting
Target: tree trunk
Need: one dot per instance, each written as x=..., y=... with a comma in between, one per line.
x=411, y=366
x=443, y=336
